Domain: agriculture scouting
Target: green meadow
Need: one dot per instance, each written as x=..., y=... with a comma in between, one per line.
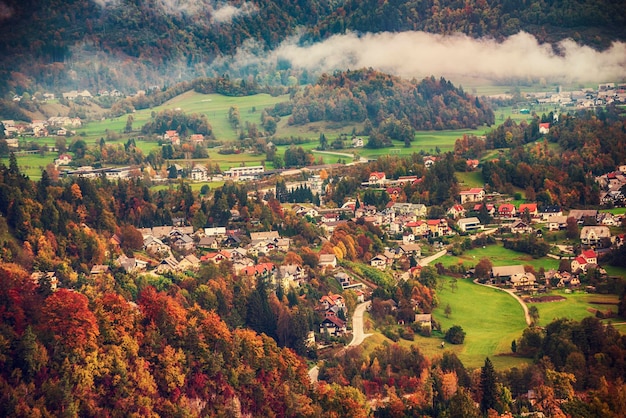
x=499, y=256
x=576, y=306
x=490, y=318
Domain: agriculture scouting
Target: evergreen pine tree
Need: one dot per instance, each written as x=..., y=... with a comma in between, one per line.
x=488, y=387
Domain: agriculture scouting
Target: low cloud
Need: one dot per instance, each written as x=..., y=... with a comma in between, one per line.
x=456, y=57
x=227, y=12
x=105, y=3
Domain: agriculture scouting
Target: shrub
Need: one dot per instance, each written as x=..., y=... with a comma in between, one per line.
x=455, y=335
x=407, y=333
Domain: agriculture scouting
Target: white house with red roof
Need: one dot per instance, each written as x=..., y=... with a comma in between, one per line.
x=475, y=194
x=506, y=210
x=64, y=159
x=332, y=300
x=544, y=128
x=590, y=256
x=584, y=260
x=377, y=177
x=456, y=211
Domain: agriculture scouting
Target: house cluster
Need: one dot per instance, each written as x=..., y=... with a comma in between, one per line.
x=58, y=125
x=523, y=281
x=216, y=245
x=606, y=93
x=411, y=251
x=333, y=309
x=611, y=185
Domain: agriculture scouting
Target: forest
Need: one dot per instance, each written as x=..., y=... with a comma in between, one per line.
x=591, y=145
x=132, y=44
x=395, y=106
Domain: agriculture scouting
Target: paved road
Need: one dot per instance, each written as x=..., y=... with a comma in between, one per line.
x=358, y=335
x=358, y=332
x=426, y=260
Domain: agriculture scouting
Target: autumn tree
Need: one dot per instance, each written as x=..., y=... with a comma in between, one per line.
x=483, y=269
x=67, y=319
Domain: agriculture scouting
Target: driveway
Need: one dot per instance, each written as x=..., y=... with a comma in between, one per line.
x=358, y=332
x=358, y=335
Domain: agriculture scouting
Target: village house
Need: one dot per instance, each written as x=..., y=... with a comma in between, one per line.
x=438, y=227
x=475, y=194
x=39, y=278
x=168, y=264
x=549, y=211
x=581, y=214
x=196, y=138
x=131, y=264
x=333, y=301
x=520, y=227
x=544, y=128
x=377, y=178
x=415, y=209
x=99, y=269
x=357, y=142
x=262, y=270
x=212, y=243
x=328, y=260
x=410, y=250
x=469, y=224
x=502, y=274
x=456, y=211
x=189, y=262
x=523, y=281
x=245, y=173
x=333, y=325
x=418, y=228
x=556, y=223
x=425, y=321
x=530, y=207
x=290, y=275
x=64, y=159
x=199, y=173
x=506, y=210
x=408, y=237
x=379, y=261
x=491, y=209
x=593, y=235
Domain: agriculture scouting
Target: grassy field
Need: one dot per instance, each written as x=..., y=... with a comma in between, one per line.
x=577, y=306
x=490, y=318
x=469, y=179
x=499, y=256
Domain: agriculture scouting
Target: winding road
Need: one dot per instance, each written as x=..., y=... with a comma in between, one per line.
x=358, y=335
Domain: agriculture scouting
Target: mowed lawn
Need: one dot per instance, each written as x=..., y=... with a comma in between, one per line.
x=576, y=306
x=499, y=256
x=490, y=318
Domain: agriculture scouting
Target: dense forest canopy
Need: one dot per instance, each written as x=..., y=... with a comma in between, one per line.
x=357, y=96
x=134, y=44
